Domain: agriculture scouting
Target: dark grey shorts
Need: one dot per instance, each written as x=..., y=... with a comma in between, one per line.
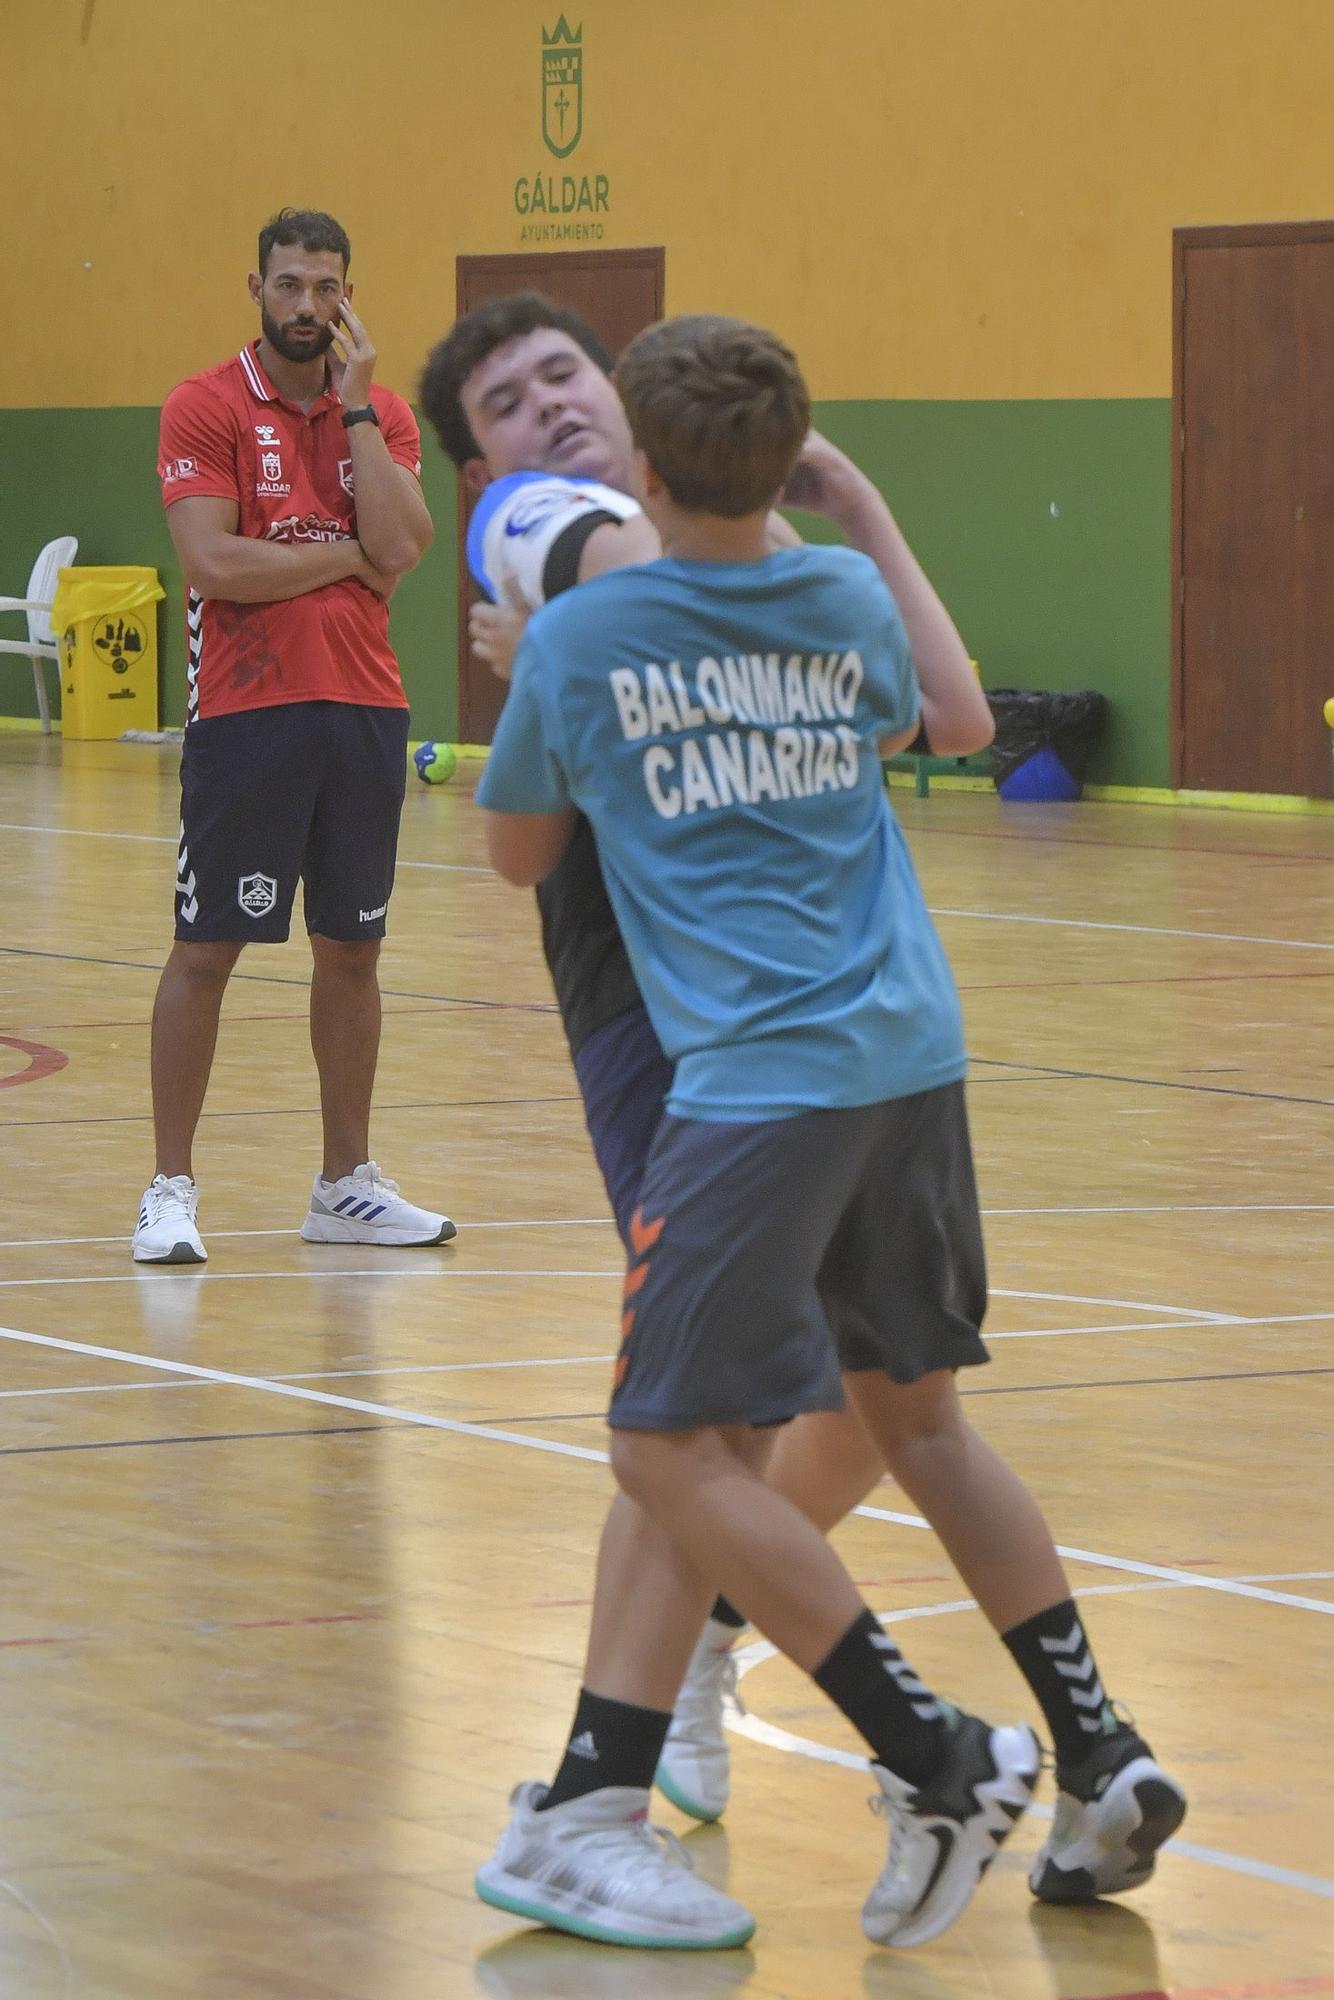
x=765, y=1258
x=308, y=792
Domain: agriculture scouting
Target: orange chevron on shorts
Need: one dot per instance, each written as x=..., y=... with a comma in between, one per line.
x=634, y=1279
x=643, y=1235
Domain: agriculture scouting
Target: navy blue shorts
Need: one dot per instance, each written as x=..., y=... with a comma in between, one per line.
x=307, y=792
x=624, y=1078
x=766, y=1258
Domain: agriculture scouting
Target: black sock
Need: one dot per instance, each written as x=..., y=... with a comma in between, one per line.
x=868, y=1678
x=611, y=1743
x=727, y=1614
x=1053, y=1654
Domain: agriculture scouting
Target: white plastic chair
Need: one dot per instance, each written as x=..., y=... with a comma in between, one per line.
x=40, y=644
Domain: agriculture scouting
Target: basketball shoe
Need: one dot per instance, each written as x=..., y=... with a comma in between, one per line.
x=364, y=1207
x=595, y=1867
x=1113, y=1813
x=166, y=1232
x=694, y=1770
x=944, y=1835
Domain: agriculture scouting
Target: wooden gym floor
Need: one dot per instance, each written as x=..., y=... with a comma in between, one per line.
x=298, y=1546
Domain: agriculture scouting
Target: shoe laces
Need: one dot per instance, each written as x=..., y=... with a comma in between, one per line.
x=902, y=1831
x=167, y=1192
x=370, y=1176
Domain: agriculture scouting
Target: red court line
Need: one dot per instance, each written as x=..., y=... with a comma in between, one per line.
x=1259, y=1989
x=42, y=1061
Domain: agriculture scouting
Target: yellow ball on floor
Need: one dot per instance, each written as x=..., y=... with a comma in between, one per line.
x=435, y=762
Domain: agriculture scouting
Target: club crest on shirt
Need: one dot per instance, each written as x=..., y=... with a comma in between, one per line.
x=345, y=474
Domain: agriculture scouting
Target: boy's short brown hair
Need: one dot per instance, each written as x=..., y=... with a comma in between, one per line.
x=718, y=407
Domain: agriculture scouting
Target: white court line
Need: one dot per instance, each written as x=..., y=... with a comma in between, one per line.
x=173, y=840
x=763, y=1731
x=982, y=916
x=327, y=1375
x=438, y=1272
x=1167, y=1208
x=557, y=1361
x=1183, y=1578
x=122, y=1236
x=270, y=1385
x=605, y=1221
x=1145, y=930
x=1188, y=1319
x=87, y=833
x=1121, y=1305
x=757, y=1730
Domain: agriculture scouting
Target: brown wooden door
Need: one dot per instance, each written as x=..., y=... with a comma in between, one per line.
x=1254, y=505
x=618, y=292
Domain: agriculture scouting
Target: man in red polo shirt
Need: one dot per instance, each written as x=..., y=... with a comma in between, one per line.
x=293, y=497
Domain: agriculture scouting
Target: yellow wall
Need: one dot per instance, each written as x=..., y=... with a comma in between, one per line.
x=931, y=198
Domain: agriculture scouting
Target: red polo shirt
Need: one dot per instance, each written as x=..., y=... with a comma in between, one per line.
x=228, y=434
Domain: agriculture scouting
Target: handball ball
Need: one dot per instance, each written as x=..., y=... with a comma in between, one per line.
x=435, y=762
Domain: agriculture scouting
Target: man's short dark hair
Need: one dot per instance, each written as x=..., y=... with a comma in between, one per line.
x=466, y=346
x=310, y=227
x=718, y=407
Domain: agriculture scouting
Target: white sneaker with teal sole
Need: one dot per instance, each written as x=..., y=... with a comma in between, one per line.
x=694, y=1770
x=364, y=1207
x=595, y=1867
x=166, y=1232
x=945, y=1834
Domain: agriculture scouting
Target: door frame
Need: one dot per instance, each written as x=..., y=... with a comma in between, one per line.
x=651, y=257
x=1222, y=236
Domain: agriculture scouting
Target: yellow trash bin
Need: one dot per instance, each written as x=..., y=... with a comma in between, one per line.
x=106, y=621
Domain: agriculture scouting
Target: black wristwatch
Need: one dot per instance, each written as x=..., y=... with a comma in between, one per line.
x=366, y=416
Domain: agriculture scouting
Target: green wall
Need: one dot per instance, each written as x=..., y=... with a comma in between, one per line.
x=1076, y=597
x=91, y=473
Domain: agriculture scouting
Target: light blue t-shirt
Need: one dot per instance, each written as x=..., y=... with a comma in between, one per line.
x=718, y=723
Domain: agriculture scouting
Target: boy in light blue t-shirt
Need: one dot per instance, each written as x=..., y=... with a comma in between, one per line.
x=719, y=717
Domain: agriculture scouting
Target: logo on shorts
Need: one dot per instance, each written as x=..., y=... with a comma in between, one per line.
x=256, y=894
x=369, y=916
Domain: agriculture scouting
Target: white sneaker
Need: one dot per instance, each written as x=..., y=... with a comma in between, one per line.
x=364, y=1207
x=694, y=1770
x=165, y=1232
x=1113, y=1813
x=944, y=1835
x=596, y=1868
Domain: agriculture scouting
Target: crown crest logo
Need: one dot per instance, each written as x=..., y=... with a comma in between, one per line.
x=562, y=87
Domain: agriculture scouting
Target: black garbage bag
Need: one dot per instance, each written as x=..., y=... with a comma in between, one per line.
x=1044, y=741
